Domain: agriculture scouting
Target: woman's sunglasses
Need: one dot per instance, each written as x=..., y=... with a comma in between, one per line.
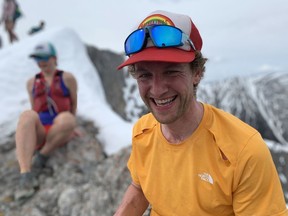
x=41, y=58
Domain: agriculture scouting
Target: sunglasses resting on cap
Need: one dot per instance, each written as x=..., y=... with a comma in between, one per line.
x=162, y=36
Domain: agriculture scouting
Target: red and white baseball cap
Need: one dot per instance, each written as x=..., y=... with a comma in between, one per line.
x=182, y=54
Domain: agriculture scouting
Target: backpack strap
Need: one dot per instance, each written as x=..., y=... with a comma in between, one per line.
x=38, y=76
x=59, y=73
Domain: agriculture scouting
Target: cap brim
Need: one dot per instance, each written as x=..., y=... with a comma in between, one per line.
x=39, y=55
x=160, y=54
x=33, y=56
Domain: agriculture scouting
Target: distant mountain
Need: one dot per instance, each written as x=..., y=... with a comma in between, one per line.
x=259, y=101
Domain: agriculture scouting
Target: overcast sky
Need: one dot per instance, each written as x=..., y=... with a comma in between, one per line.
x=240, y=37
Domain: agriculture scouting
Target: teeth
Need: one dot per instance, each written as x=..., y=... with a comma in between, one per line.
x=163, y=102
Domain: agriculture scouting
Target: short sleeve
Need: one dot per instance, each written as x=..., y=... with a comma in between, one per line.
x=257, y=189
x=132, y=166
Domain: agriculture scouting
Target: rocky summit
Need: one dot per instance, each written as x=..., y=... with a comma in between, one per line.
x=79, y=179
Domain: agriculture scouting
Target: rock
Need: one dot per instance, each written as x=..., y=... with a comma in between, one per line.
x=79, y=180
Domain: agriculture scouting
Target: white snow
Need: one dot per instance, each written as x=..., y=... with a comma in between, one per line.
x=16, y=68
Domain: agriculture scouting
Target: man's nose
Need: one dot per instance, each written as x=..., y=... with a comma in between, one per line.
x=158, y=86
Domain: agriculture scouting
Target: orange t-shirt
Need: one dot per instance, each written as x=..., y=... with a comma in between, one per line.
x=224, y=168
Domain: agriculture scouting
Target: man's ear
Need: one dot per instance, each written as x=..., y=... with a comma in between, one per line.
x=197, y=77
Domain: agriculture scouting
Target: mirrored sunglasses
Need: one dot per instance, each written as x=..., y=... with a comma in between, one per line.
x=162, y=36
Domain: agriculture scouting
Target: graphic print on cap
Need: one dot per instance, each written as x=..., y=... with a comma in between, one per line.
x=156, y=19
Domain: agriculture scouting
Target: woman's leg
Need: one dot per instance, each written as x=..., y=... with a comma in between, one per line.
x=29, y=133
x=60, y=132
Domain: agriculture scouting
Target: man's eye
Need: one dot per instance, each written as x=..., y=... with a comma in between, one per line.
x=172, y=73
x=143, y=76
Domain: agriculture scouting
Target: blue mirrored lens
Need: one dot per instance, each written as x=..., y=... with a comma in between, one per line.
x=41, y=58
x=161, y=36
x=166, y=36
x=135, y=41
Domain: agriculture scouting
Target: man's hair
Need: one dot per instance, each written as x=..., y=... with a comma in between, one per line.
x=198, y=66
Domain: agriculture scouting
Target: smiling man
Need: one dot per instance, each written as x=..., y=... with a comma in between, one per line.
x=49, y=123
x=188, y=157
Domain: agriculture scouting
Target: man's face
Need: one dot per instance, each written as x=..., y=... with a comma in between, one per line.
x=166, y=89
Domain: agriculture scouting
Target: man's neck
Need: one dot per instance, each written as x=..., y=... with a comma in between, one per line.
x=177, y=132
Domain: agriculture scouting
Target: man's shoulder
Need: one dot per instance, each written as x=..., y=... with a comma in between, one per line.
x=145, y=123
x=220, y=119
x=231, y=134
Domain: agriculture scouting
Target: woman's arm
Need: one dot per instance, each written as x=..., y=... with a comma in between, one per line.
x=71, y=84
x=29, y=87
